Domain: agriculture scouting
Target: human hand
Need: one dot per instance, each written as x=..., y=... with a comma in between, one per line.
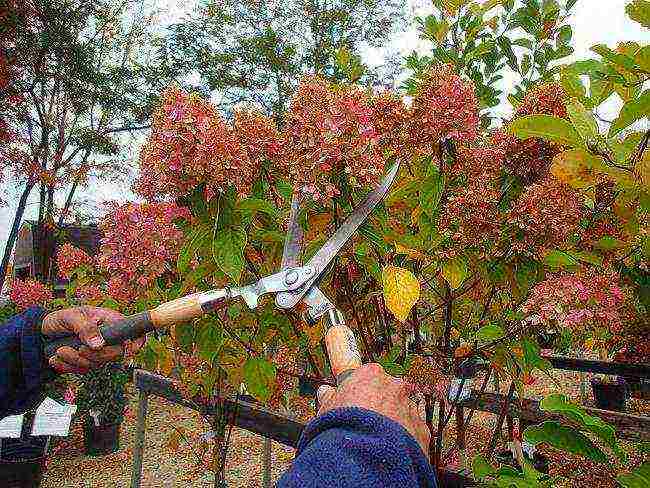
x=371, y=388
x=84, y=322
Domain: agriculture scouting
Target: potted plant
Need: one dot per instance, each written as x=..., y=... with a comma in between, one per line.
x=636, y=351
x=23, y=461
x=101, y=400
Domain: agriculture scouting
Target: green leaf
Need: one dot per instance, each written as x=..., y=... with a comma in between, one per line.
x=259, y=375
x=564, y=35
x=547, y=127
x=564, y=438
x=572, y=84
x=431, y=190
x=559, y=404
x=583, y=120
x=617, y=58
x=633, y=110
x=560, y=259
x=209, y=339
x=253, y=205
x=455, y=271
x=193, y=242
x=532, y=356
x=489, y=333
x=481, y=468
x=642, y=58
x=639, y=10
x=228, y=252
x=608, y=243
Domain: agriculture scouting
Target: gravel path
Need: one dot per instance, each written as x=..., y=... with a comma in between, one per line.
x=163, y=467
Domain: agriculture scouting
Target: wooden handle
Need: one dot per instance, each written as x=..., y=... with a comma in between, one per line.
x=179, y=310
x=342, y=350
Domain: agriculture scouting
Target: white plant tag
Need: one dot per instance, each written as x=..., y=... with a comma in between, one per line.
x=456, y=395
x=52, y=418
x=95, y=415
x=528, y=448
x=11, y=427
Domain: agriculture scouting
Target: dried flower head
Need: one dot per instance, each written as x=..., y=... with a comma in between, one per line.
x=141, y=243
x=191, y=145
x=69, y=258
x=330, y=134
x=28, y=293
x=544, y=217
x=444, y=107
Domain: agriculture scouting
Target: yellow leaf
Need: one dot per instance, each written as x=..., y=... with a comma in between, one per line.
x=571, y=167
x=401, y=290
x=455, y=271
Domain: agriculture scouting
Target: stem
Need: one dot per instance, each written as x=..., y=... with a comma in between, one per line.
x=500, y=419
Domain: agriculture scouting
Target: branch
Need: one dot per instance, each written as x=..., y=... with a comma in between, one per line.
x=113, y=130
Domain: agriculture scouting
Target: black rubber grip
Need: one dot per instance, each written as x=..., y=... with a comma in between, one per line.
x=130, y=327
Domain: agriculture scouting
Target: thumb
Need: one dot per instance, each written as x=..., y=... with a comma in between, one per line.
x=324, y=394
x=88, y=330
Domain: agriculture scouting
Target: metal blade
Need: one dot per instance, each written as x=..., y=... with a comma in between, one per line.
x=331, y=248
x=293, y=240
x=317, y=303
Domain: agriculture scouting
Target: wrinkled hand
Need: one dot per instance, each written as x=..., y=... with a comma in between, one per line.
x=371, y=388
x=84, y=322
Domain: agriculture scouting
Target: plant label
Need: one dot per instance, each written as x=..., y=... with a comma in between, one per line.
x=11, y=426
x=52, y=418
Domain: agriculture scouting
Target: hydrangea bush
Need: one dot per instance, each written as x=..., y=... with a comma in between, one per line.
x=485, y=228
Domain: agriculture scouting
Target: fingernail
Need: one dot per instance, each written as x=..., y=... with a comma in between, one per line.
x=96, y=342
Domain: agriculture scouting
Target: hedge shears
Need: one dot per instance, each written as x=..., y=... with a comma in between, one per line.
x=295, y=284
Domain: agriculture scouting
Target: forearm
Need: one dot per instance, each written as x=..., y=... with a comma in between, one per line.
x=353, y=447
x=22, y=366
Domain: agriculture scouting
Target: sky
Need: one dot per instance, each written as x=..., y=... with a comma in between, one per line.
x=593, y=22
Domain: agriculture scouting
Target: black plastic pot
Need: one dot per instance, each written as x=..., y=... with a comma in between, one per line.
x=467, y=369
x=306, y=387
x=100, y=440
x=639, y=388
x=610, y=396
x=547, y=340
x=539, y=461
x=22, y=463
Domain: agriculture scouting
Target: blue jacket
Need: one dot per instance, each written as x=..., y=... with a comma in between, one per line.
x=345, y=448
x=23, y=370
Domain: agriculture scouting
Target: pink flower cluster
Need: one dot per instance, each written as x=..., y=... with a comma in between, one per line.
x=593, y=299
x=28, y=293
x=530, y=159
x=444, y=107
x=89, y=293
x=69, y=258
x=544, y=216
x=141, y=243
x=470, y=217
x=330, y=132
x=190, y=144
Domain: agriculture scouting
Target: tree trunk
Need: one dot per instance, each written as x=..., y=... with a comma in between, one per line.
x=11, y=240
x=68, y=202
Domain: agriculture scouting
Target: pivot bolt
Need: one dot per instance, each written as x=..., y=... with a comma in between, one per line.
x=291, y=277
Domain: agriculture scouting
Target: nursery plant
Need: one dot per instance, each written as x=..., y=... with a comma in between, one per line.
x=492, y=233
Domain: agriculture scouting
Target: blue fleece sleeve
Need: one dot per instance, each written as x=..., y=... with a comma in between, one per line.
x=21, y=362
x=354, y=448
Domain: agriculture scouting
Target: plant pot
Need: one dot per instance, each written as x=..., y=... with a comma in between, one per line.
x=22, y=462
x=610, y=396
x=306, y=387
x=467, y=369
x=639, y=388
x=100, y=440
x=547, y=340
x=539, y=461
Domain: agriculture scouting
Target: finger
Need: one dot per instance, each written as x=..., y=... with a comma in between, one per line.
x=73, y=358
x=132, y=347
x=86, y=324
x=325, y=393
x=104, y=315
x=102, y=356
x=62, y=367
